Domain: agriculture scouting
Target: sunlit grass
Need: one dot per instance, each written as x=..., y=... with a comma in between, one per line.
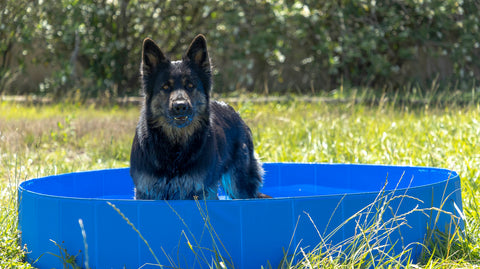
x=52, y=139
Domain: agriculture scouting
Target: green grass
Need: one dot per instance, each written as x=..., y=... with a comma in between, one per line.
x=375, y=129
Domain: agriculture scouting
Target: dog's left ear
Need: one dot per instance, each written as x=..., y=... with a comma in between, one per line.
x=197, y=53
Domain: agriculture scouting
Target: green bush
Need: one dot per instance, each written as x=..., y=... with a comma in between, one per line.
x=378, y=42
x=17, y=29
x=93, y=47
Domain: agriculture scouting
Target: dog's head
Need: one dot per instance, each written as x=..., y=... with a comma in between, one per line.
x=176, y=92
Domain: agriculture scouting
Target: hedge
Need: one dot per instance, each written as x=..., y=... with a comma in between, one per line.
x=92, y=48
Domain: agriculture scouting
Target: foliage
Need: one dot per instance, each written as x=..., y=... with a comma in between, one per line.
x=377, y=42
x=92, y=48
x=17, y=31
x=98, y=45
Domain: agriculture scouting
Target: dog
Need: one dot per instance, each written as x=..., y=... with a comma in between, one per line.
x=186, y=146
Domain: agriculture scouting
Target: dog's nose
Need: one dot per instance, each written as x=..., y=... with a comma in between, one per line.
x=180, y=106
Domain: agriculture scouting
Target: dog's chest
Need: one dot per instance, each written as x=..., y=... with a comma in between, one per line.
x=177, y=187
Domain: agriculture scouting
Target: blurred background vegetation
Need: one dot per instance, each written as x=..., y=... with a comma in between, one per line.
x=72, y=48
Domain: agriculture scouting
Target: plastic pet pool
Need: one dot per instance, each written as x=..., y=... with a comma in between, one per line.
x=93, y=215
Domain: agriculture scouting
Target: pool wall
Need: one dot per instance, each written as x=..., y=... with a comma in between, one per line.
x=311, y=205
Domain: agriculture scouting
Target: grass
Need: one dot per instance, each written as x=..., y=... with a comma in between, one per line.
x=417, y=129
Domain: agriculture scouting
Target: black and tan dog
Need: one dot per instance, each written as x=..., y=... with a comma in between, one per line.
x=186, y=145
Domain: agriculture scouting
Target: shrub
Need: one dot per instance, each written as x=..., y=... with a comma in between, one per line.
x=93, y=47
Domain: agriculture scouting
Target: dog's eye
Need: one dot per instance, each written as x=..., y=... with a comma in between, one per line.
x=190, y=85
x=166, y=87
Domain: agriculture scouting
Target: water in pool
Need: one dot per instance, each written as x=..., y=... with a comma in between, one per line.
x=276, y=192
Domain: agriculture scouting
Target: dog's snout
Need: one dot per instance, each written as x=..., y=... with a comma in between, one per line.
x=180, y=104
x=180, y=107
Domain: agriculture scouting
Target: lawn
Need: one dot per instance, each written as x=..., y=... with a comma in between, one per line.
x=38, y=140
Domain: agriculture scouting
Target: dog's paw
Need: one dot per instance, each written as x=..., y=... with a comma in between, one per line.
x=263, y=196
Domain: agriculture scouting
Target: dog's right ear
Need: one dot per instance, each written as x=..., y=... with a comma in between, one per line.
x=152, y=57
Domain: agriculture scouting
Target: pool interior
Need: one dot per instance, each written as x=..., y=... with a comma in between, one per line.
x=281, y=180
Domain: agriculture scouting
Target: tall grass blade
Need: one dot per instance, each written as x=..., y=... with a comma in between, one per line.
x=136, y=230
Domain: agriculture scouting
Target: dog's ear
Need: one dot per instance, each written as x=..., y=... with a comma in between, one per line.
x=197, y=53
x=152, y=57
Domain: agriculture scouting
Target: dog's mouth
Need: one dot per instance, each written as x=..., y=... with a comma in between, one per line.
x=181, y=118
x=181, y=121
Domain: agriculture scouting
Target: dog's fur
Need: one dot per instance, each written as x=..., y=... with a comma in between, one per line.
x=186, y=145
